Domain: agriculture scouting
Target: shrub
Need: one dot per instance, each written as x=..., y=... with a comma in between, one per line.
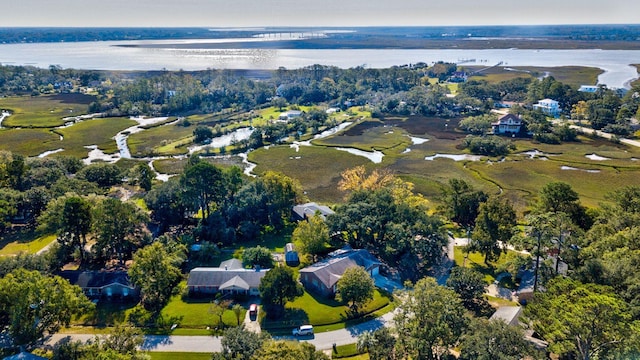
x=488, y=145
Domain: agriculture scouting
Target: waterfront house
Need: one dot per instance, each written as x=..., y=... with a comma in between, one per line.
x=548, y=106
x=507, y=124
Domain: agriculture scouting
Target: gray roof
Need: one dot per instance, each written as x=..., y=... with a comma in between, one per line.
x=97, y=279
x=235, y=282
x=309, y=209
x=231, y=264
x=217, y=277
x=508, y=314
x=329, y=271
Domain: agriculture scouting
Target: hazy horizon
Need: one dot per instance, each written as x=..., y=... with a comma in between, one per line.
x=306, y=13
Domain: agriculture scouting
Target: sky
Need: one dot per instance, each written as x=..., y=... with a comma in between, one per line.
x=256, y=13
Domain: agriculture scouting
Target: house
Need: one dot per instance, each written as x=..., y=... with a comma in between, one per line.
x=323, y=276
x=589, y=88
x=229, y=278
x=458, y=77
x=509, y=314
x=305, y=211
x=289, y=115
x=291, y=257
x=102, y=284
x=548, y=106
x=507, y=124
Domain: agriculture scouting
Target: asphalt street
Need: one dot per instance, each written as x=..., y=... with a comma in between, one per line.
x=321, y=341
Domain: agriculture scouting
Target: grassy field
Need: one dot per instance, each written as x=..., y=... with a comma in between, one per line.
x=43, y=111
x=26, y=244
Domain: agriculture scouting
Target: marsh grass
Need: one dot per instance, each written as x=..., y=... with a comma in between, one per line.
x=43, y=111
x=98, y=132
x=29, y=142
x=570, y=75
x=317, y=168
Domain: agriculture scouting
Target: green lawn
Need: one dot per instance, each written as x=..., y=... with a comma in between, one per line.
x=29, y=246
x=196, y=314
x=476, y=261
x=325, y=314
x=44, y=111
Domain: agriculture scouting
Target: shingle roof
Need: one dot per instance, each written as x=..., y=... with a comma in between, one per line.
x=329, y=271
x=216, y=277
x=231, y=264
x=234, y=283
x=309, y=209
x=97, y=279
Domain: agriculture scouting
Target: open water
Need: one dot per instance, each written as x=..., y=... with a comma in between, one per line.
x=125, y=55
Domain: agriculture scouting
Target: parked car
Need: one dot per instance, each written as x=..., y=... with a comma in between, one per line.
x=303, y=330
x=253, y=310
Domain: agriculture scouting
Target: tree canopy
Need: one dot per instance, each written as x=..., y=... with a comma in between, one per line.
x=33, y=305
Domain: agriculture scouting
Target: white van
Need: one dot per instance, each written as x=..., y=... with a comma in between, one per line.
x=303, y=330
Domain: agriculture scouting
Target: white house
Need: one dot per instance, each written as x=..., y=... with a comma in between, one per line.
x=588, y=88
x=548, y=106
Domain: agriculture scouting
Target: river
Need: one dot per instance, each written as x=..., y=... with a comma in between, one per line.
x=124, y=55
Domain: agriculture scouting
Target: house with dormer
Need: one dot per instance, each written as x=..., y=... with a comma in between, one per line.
x=507, y=124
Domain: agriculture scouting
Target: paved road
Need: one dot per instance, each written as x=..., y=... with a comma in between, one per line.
x=210, y=344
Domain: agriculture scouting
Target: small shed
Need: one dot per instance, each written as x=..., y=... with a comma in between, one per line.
x=291, y=255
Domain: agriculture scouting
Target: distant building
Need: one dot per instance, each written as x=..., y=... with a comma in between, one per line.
x=548, y=106
x=323, y=276
x=305, y=211
x=458, y=77
x=290, y=115
x=588, y=88
x=229, y=278
x=507, y=124
x=102, y=284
